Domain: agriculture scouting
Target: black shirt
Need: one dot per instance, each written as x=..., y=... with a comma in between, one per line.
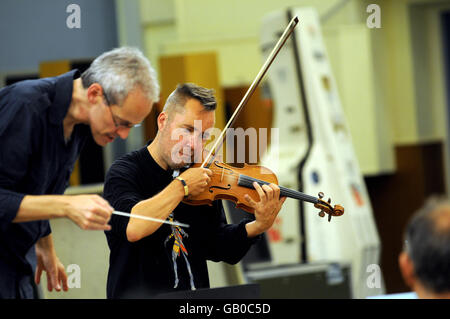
x=145, y=267
x=35, y=160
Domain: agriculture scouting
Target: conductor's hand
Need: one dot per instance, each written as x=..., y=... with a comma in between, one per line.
x=266, y=210
x=90, y=212
x=48, y=261
x=197, y=179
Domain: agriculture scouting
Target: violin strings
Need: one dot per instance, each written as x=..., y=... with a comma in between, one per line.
x=287, y=191
x=249, y=181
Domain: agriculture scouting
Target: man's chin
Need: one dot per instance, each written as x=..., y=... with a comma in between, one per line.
x=180, y=164
x=175, y=166
x=103, y=140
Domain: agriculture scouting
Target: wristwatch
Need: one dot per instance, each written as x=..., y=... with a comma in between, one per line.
x=186, y=190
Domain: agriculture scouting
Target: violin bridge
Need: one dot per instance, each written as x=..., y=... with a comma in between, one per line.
x=223, y=171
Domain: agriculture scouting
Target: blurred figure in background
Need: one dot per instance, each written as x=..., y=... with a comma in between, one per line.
x=425, y=261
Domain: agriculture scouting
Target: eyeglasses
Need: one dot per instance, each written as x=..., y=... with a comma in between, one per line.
x=117, y=120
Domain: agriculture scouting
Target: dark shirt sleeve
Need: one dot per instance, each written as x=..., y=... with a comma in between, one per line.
x=227, y=242
x=17, y=141
x=121, y=190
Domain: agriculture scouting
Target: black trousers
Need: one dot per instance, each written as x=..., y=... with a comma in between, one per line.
x=26, y=288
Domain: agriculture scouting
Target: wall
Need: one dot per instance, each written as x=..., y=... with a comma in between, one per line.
x=231, y=28
x=409, y=64
x=35, y=31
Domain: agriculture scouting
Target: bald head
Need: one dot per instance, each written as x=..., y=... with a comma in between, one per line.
x=440, y=217
x=427, y=239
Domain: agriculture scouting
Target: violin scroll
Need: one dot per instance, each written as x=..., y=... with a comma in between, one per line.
x=325, y=207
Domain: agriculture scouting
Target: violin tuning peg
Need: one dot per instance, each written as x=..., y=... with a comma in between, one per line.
x=320, y=195
x=329, y=200
x=329, y=217
x=321, y=213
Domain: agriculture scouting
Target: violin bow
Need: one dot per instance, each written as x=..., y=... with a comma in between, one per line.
x=287, y=32
x=158, y=220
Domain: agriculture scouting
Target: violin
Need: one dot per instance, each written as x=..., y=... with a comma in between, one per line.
x=233, y=183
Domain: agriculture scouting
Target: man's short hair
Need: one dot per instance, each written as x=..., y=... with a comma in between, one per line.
x=120, y=71
x=427, y=241
x=186, y=91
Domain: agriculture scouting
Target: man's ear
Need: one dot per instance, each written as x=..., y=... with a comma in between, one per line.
x=94, y=92
x=407, y=269
x=163, y=120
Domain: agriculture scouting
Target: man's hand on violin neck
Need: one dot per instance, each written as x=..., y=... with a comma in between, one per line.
x=266, y=210
x=197, y=179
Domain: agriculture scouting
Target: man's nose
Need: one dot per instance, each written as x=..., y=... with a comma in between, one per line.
x=190, y=141
x=122, y=132
x=196, y=140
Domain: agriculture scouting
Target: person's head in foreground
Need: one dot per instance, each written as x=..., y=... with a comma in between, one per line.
x=425, y=260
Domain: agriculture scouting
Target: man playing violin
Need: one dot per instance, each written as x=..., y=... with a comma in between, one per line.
x=149, y=258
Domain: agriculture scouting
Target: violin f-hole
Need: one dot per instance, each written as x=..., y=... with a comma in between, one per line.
x=219, y=187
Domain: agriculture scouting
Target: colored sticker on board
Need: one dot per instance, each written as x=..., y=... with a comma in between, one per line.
x=357, y=195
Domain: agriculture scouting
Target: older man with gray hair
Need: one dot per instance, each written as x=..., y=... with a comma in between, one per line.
x=44, y=124
x=425, y=260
